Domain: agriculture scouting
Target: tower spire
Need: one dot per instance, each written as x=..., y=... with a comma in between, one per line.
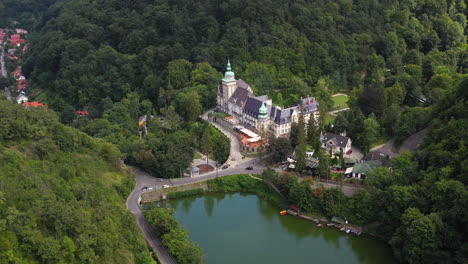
x=228, y=75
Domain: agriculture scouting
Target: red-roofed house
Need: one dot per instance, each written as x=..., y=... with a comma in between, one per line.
x=34, y=104
x=18, y=73
x=17, y=42
x=82, y=113
x=21, y=31
x=25, y=48
x=15, y=36
x=21, y=85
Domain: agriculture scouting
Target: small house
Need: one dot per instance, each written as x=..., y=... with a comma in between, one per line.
x=21, y=98
x=361, y=170
x=335, y=143
x=195, y=171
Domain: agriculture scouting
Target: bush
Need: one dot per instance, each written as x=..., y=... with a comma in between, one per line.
x=181, y=194
x=174, y=237
x=245, y=183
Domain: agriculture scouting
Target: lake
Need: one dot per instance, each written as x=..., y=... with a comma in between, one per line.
x=243, y=228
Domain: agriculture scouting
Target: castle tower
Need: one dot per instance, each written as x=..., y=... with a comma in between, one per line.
x=229, y=82
x=263, y=118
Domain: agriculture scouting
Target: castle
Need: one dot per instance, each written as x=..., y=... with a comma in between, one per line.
x=257, y=113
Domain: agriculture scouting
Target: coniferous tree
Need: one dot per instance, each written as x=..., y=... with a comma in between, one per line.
x=301, y=145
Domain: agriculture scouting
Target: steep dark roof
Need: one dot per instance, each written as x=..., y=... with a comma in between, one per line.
x=309, y=104
x=252, y=106
x=340, y=140
x=242, y=84
x=377, y=155
x=281, y=116
x=240, y=96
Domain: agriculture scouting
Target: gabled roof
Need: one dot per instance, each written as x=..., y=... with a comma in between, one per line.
x=252, y=106
x=366, y=166
x=378, y=156
x=308, y=104
x=281, y=116
x=338, y=140
x=242, y=84
x=240, y=96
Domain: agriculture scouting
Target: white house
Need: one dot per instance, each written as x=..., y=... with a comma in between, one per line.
x=335, y=143
x=21, y=98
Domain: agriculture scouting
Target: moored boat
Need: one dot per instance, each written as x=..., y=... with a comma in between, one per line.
x=283, y=212
x=319, y=225
x=330, y=224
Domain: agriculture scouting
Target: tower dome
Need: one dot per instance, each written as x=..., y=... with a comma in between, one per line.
x=263, y=112
x=229, y=75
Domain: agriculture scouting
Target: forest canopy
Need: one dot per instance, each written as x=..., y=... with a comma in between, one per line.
x=62, y=194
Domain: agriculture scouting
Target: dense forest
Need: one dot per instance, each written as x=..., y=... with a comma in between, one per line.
x=62, y=194
x=404, y=63
x=420, y=204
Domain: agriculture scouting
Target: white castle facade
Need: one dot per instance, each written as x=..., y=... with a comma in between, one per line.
x=257, y=113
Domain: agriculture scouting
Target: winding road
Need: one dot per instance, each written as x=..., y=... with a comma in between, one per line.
x=144, y=179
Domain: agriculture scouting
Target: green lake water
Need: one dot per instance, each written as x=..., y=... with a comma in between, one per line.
x=243, y=228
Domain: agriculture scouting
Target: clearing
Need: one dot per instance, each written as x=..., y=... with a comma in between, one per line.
x=340, y=101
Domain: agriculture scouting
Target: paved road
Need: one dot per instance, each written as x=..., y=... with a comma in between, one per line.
x=386, y=148
x=414, y=141
x=4, y=72
x=3, y=69
x=235, y=157
x=337, y=111
x=143, y=179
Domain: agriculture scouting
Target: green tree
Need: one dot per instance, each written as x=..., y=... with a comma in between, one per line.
x=206, y=144
x=416, y=241
x=279, y=149
x=179, y=73
x=301, y=145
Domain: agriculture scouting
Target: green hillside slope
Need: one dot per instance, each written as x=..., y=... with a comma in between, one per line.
x=62, y=194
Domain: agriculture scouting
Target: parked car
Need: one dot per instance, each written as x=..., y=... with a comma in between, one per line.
x=249, y=168
x=349, y=152
x=225, y=166
x=145, y=188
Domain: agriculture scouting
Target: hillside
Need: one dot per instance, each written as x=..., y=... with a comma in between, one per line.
x=404, y=65
x=62, y=194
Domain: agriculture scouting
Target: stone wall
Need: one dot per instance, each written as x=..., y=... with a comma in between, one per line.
x=161, y=194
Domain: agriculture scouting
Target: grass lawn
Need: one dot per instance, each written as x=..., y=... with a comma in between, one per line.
x=219, y=114
x=329, y=119
x=197, y=155
x=380, y=141
x=339, y=102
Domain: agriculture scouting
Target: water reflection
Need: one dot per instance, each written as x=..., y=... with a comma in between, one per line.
x=209, y=205
x=225, y=224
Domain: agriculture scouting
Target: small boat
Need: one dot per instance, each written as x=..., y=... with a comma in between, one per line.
x=317, y=221
x=330, y=224
x=343, y=229
x=348, y=231
x=319, y=225
x=283, y=212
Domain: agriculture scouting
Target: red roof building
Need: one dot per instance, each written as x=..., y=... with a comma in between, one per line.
x=82, y=113
x=21, y=31
x=34, y=104
x=16, y=42
x=25, y=48
x=18, y=73
x=15, y=36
